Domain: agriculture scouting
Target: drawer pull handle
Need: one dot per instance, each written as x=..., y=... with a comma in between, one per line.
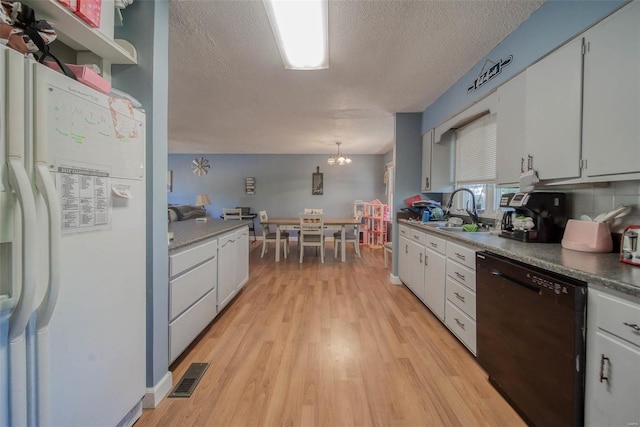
x=602, y=360
x=462, y=257
x=406, y=249
x=460, y=323
x=420, y=258
x=433, y=244
x=633, y=326
x=460, y=297
x=461, y=276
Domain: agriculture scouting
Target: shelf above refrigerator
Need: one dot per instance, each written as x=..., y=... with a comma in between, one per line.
x=73, y=32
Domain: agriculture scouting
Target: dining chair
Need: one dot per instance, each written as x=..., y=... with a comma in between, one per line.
x=311, y=233
x=269, y=236
x=231, y=214
x=313, y=211
x=246, y=213
x=348, y=238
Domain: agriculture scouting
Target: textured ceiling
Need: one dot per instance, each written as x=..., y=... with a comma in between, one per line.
x=229, y=91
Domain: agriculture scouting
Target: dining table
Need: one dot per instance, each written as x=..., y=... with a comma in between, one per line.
x=329, y=223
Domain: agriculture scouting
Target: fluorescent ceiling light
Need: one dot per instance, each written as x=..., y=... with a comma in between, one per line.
x=300, y=28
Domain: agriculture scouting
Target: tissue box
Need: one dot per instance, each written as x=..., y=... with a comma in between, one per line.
x=587, y=236
x=89, y=11
x=86, y=76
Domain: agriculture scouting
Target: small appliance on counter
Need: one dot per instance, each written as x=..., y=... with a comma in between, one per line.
x=629, y=251
x=537, y=217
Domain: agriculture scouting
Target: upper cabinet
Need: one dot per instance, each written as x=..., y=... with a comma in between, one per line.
x=553, y=106
x=611, y=112
x=76, y=34
x=437, y=163
x=510, y=149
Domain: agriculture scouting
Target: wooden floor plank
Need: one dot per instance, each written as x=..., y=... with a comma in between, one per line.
x=329, y=345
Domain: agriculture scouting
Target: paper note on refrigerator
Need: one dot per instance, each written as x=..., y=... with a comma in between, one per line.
x=84, y=198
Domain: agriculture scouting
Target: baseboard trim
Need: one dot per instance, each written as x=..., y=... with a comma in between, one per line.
x=395, y=279
x=154, y=395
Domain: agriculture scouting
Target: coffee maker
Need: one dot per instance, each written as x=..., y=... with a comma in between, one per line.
x=533, y=217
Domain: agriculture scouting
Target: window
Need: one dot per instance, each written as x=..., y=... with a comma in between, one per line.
x=476, y=163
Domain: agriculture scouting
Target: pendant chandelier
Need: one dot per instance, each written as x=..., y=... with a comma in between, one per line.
x=338, y=159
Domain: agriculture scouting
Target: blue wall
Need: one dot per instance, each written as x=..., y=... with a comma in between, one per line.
x=283, y=182
x=146, y=25
x=554, y=23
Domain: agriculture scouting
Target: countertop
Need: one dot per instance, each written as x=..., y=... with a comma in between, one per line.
x=191, y=231
x=601, y=270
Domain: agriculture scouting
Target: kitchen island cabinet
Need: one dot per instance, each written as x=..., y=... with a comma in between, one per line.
x=412, y=260
x=435, y=275
x=208, y=265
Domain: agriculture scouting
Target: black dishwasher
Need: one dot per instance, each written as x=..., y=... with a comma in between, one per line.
x=530, y=338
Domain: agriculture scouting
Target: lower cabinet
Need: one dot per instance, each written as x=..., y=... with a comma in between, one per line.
x=233, y=264
x=460, y=312
x=613, y=362
x=203, y=278
x=442, y=274
x=192, y=293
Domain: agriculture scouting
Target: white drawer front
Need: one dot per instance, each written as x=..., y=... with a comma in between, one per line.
x=417, y=236
x=435, y=243
x=462, y=274
x=619, y=318
x=188, y=288
x=185, y=259
x=462, y=297
x=186, y=328
x=462, y=254
x=404, y=231
x=461, y=325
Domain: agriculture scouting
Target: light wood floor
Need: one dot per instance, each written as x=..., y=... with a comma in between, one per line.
x=330, y=345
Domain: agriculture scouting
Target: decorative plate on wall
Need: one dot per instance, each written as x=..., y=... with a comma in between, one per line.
x=200, y=166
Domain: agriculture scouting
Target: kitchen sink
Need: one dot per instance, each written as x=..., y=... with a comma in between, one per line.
x=460, y=230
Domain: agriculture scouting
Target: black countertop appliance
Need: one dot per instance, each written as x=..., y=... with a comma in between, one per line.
x=546, y=209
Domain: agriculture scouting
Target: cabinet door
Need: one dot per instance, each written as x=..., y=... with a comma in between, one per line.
x=242, y=257
x=416, y=269
x=613, y=401
x=510, y=129
x=611, y=129
x=442, y=163
x=553, y=107
x=227, y=285
x=403, y=259
x=434, y=282
x=427, y=139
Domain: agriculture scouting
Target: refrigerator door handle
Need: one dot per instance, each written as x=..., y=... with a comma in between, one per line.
x=46, y=186
x=20, y=183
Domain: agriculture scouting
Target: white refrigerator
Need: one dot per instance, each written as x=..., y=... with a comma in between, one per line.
x=72, y=251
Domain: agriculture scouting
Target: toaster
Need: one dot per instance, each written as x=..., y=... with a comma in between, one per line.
x=629, y=248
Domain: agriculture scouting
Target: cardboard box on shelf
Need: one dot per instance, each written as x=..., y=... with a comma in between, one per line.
x=85, y=75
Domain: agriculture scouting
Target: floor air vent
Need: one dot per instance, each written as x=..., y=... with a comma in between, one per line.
x=189, y=380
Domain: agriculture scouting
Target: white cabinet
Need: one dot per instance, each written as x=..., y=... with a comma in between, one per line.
x=611, y=111
x=411, y=259
x=460, y=307
x=437, y=163
x=242, y=257
x=434, y=281
x=553, y=106
x=233, y=264
x=192, y=293
x=510, y=130
x=613, y=362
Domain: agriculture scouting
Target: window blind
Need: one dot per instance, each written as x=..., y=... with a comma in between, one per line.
x=476, y=151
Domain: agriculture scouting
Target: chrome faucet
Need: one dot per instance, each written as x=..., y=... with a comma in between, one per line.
x=473, y=213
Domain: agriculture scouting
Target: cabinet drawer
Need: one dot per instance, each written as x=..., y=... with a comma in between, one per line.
x=435, y=243
x=619, y=318
x=189, y=287
x=187, y=258
x=184, y=329
x=461, y=297
x=404, y=231
x=417, y=236
x=461, y=325
x=462, y=274
x=462, y=254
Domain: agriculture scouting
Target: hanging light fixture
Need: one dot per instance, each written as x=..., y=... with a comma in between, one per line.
x=338, y=159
